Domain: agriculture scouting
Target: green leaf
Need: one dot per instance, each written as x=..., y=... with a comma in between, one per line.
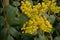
x=46, y=15
x=15, y=3
x=42, y=37
x=51, y=19
x=11, y=1
x=58, y=27
x=35, y=2
x=23, y=18
x=3, y=34
x=58, y=2
x=57, y=38
x=11, y=14
x=14, y=32
x=27, y=36
x=10, y=38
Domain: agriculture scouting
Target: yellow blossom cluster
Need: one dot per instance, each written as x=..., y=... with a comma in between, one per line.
x=52, y=5
x=34, y=24
x=45, y=26
x=31, y=10
x=26, y=8
x=29, y=27
x=36, y=21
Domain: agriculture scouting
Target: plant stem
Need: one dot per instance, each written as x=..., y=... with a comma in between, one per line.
x=37, y=0
x=51, y=38
x=57, y=33
x=5, y=3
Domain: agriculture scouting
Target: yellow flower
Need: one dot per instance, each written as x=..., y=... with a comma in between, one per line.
x=27, y=3
x=36, y=20
x=53, y=0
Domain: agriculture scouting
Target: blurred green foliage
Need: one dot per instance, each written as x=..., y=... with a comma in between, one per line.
x=15, y=23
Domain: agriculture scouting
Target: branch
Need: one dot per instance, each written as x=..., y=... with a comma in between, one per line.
x=5, y=3
x=51, y=38
x=57, y=33
x=57, y=17
x=37, y=0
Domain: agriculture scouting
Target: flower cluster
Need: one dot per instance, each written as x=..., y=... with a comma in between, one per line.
x=35, y=23
x=31, y=10
x=29, y=27
x=37, y=20
x=52, y=5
